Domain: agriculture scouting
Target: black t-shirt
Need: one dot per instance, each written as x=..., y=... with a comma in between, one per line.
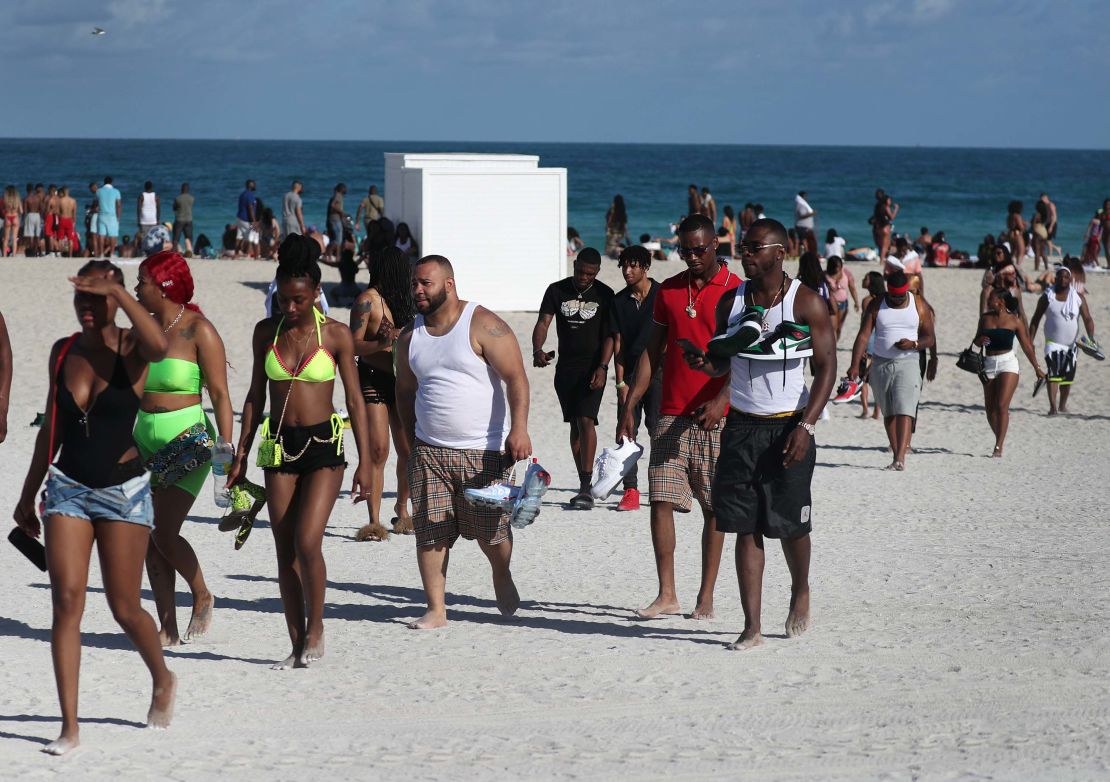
x=581, y=320
x=634, y=324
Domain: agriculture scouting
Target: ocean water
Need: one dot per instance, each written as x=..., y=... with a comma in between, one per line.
x=961, y=191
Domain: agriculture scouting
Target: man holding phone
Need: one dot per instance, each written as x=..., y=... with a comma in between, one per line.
x=762, y=486
x=686, y=440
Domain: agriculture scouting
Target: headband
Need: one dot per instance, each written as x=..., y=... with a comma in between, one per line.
x=899, y=291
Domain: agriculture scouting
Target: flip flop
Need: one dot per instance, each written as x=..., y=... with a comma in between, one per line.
x=247, y=500
x=1038, y=385
x=244, y=532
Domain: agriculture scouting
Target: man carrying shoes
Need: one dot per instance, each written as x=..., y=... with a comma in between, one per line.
x=762, y=485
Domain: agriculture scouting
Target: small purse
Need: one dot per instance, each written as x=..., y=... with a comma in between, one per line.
x=180, y=456
x=971, y=360
x=270, y=454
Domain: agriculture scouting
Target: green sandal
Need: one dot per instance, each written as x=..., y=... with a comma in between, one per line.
x=247, y=500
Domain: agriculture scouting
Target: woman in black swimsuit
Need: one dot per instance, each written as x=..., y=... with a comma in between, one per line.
x=882, y=223
x=98, y=490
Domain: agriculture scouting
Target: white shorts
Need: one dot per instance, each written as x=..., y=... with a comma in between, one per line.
x=993, y=366
x=32, y=225
x=243, y=230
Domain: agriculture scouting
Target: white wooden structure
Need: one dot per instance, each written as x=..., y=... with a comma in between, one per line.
x=500, y=219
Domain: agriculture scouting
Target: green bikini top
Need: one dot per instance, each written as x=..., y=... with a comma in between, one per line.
x=173, y=376
x=317, y=367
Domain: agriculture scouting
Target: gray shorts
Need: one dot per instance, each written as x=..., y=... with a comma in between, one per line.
x=896, y=383
x=32, y=225
x=243, y=230
x=290, y=227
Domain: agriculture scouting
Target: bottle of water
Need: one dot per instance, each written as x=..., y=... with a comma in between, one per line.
x=222, y=454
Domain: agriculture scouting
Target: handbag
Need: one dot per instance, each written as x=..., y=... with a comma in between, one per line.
x=270, y=454
x=180, y=456
x=971, y=360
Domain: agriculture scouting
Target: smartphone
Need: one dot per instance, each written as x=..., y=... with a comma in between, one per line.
x=29, y=547
x=550, y=356
x=689, y=347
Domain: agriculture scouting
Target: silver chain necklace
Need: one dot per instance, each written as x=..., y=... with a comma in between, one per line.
x=173, y=323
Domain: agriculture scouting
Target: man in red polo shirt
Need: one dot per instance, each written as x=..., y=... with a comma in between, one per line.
x=687, y=438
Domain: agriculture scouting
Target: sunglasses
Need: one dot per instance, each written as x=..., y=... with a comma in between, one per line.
x=693, y=252
x=751, y=248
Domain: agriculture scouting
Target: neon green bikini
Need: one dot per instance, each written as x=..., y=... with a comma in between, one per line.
x=314, y=369
x=154, y=430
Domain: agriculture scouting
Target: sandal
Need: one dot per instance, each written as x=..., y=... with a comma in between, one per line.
x=402, y=526
x=247, y=500
x=372, y=531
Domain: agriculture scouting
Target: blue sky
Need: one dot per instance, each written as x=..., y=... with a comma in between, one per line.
x=993, y=73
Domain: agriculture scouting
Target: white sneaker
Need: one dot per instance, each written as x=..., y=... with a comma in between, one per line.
x=496, y=495
x=525, y=506
x=611, y=465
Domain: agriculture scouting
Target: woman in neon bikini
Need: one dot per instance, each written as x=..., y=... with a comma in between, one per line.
x=98, y=490
x=302, y=449
x=171, y=404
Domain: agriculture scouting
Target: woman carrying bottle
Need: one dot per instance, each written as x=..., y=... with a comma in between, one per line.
x=302, y=449
x=171, y=406
x=97, y=490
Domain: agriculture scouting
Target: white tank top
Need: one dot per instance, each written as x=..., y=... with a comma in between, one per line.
x=773, y=380
x=892, y=325
x=149, y=213
x=1061, y=322
x=460, y=401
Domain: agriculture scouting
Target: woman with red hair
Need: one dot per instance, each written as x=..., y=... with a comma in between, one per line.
x=171, y=405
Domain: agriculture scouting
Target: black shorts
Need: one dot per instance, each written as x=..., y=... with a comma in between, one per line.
x=752, y=492
x=308, y=448
x=379, y=387
x=182, y=229
x=572, y=386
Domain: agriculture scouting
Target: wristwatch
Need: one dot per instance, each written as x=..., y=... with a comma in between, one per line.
x=808, y=427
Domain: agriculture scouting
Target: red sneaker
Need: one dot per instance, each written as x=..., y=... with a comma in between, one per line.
x=630, y=500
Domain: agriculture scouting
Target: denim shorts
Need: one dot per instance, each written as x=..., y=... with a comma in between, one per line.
x=128, y=501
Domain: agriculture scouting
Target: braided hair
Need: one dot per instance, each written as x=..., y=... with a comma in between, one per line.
x=391, y=276
x=170, y=272
x=102, y=265
x=297, y=258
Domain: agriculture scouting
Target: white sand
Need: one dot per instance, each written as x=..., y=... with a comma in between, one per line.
x=960, y=623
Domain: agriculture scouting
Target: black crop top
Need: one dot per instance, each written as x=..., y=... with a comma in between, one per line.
x=95, y=442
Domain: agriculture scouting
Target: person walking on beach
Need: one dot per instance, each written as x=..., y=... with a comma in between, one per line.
x=875, y=285
x=1015, y=231
x=292, y=212
x=882, y=222
x=97, y=490
x=109, y=210
x=371, y=208
x=13, y=211
x=616, y=227
x=805, y=222
x=694, y=205
x=999, y=325
x=709, y=206
x=379, y=315
x=302, y=453
x=183, y=220
x=686, y=440
x=841, y=284
x=580, y=306
x=171, y=405
x=32, y=221
x=246, y=221
x=903, y=325
x=5, y=377
x=762, y=485
x=1062, y=307
x=462, y=394
x=336, y=219
x=631, y=326
x=68, y=240
x=1050, y=222
x=148, y=209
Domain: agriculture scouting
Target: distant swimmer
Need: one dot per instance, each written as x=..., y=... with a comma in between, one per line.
x=462, y=393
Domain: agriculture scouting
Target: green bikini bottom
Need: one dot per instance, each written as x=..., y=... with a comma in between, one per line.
x=154, y=430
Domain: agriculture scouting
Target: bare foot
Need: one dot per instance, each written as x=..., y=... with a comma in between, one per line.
x=797, y=621
x=430, y=621
x=202, y=617
x=292, y=661
x=374, y=531
x=1063, y=408
x=508, y=599
x=864, y=414
x=313, y=648
x=703, y=611
x=659, y=607
x=169, y=638
x=1051, y=411
x=64, y=743
x=891, y=466
x=749, y=639
x=161, y=705
x=997, y=452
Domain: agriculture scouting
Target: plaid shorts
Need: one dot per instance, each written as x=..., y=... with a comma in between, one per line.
x=683, y=461
x=437, y=478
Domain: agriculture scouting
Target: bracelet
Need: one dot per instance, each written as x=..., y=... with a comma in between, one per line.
x=537, y=350
x=620, y=384
x=603, y=366
x=808, y=427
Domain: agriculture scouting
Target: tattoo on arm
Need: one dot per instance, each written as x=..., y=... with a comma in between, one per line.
x=364, y=306
x=498, y=328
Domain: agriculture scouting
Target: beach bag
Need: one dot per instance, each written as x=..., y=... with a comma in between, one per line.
x=971, y=360
x=180, y=456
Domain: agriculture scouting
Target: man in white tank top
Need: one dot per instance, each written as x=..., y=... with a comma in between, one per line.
x=465, y=429
x=148, y=209
x=903, y=325
x=762, y=484
x=1062, y=307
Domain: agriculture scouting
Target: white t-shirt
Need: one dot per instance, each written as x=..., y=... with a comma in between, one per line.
x=802, y=207
x=835, y=247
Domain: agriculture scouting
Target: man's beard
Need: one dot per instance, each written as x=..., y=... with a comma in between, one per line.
x=433, y=303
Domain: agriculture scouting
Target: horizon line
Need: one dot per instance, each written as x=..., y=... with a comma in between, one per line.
x=568, y=143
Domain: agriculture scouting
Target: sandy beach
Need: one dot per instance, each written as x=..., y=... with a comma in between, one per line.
x=960, y=624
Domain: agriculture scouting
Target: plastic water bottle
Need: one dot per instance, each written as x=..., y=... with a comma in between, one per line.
x=222, y=454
